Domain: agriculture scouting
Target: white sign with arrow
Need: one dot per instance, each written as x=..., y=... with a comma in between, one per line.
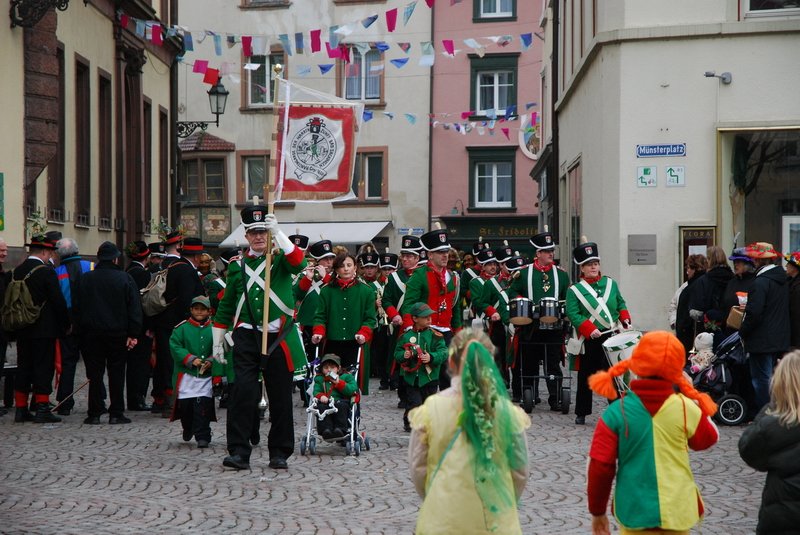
x=676, y=175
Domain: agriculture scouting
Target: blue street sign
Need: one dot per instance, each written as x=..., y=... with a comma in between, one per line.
x=653, y=151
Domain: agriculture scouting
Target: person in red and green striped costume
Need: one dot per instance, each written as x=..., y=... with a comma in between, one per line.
x=644, y=438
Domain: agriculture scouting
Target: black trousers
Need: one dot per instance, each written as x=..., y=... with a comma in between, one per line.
x=340, y=419
x=246, y=394
x=497, y=334
x=380, y=354
x=35, y=365
x=70, y=356
x=138, y=371
x=444, y=372
x=162, y=374
x=346, y=349
x=100, y=352
x=593, y=360
x=416, y=396
x=196, y=416
x=535, y=347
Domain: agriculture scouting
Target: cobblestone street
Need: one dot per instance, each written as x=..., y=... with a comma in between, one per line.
x=142, y=478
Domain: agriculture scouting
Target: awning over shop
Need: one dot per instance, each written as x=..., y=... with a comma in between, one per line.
x=351, y=232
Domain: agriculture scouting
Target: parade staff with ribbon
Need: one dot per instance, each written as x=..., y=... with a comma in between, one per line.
x=594, y=305
x=242, y=307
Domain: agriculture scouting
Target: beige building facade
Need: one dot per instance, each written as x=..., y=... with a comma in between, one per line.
x=678, y=128
x=225, y=166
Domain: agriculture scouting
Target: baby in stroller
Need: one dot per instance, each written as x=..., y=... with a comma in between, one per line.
x=332, y=389
x=725, y=377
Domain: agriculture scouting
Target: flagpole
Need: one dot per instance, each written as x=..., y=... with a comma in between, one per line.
x=269, y=186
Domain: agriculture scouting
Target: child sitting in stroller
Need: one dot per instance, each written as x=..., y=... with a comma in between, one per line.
x=331, y=386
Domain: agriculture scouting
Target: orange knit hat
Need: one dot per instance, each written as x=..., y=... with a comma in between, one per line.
x=659, y=354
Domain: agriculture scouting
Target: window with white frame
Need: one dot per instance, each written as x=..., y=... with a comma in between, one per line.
x=369, y=178
x=494, y=83
x=363, y=76
x=486, y=9
x=261, y=80
x=254, y=175
x=492, y=177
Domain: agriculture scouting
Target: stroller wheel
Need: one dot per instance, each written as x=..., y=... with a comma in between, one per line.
x=732, y=409
x=527, y=400
x=303, y=446
x=366, y=443
x=357, y=448
x=312, y=446
x=565, y=399
x=348, y=448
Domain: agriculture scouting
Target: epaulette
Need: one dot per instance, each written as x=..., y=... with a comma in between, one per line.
x=437, y=333
x=181, y=323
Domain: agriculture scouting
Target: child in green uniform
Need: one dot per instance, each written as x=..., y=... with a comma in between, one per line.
x=191, y=347
x=329, y=384
x=420, y=352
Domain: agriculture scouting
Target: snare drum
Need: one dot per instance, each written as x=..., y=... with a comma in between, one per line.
x=520, y=311
x=550, y=314
x=621, y=346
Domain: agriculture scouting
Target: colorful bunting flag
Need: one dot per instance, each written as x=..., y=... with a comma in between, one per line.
x=333, y=52
x=299, y=45
x=316, y=44
x=529, y=105
x=411, y=118
x=367, y=22
x=247, y=45
x=449, y=47
x=367, y=116
x=363, y=48
x=382, y=46
x=259, y=45
x=140, y=28
x=333, y=37
x=430, y=3
x=511, y=111
x=287, y=46
x=156, y=38
x=218, y=45
x=230, y=40
x=427, y=59
x=123, y=21
x=188, y=43
x=408, y=11
x=200, y=65
x=391, y=19
x=399, y=63
x=323, y=69
x=389, y=114
x=505, y=133
x=303, y=70
x=211, y=76
x=527, y=40
x=405, y=47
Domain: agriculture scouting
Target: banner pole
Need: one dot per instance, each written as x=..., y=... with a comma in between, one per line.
x=269, y=187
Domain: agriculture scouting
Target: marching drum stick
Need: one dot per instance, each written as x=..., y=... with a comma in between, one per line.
x=66, y=398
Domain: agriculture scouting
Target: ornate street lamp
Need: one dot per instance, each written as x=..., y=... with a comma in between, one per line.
x=27, y=13
x=217, y=98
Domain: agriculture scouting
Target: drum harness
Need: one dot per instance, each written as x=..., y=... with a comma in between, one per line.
x=595, y=313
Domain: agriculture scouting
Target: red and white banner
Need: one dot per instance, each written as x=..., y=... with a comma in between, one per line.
x=316, y=146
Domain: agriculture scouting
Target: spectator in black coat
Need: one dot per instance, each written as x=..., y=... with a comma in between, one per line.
x=705, y=301
x=36, y=342
x=109, y=313
x=793, y=273
x=744, y=274
x=772, y=444
x=138, y=369
x=765, y=328
x=685, y=327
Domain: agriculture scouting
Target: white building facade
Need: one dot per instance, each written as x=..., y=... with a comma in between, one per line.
x=679, y=128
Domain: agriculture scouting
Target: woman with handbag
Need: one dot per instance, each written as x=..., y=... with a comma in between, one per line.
x=467, y=454
x=594, y=306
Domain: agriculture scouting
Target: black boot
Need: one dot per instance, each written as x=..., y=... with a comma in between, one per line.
x=23, y=415
x=44, y=416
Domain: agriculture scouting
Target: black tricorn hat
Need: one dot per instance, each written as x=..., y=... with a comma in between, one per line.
x=410, y=244
x=192, y=246
x=138, y=250
x=435, y=240
x=389, y=261
x=585, y=252
x=321, y=249
x=300, y=241
x=485, y=256
x=227, y=254
x=253, y=217
x=369, y=259
x=515, y=263
x=40, y=241
x=156, y=249
x=543, y=241
x=503, y=253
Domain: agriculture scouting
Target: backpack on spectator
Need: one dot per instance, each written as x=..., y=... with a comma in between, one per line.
x=153, y=300
x=19, y=310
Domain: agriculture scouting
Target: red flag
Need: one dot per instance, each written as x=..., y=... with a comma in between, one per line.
x=211, y=77
x=391, y=19
x=157, y=40
x=200, y=65
x=448, y=46
x=123, y=21
x=333, y=53
x=505, y=133
x=316, y=44
x=430, y=3
x=247, y=45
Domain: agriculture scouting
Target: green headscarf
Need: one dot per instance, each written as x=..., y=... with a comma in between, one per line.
x=488, y=423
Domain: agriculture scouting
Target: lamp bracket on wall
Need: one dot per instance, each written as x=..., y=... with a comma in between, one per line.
x=27, y=13
x=187, y=128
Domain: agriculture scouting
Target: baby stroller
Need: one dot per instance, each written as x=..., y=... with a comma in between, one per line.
x=722, y=380
x=354, y=440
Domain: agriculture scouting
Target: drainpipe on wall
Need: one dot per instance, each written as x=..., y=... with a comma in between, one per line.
x=552, y=174
x=174, y=209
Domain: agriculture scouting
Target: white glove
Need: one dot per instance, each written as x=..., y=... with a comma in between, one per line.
x=360, y=338
x=218, y=336
x=271, y=222
x=596, y=334
x=334, y=376
x=696, y=315
x=283, y=241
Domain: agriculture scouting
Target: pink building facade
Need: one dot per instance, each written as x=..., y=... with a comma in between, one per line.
x=481, y=184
